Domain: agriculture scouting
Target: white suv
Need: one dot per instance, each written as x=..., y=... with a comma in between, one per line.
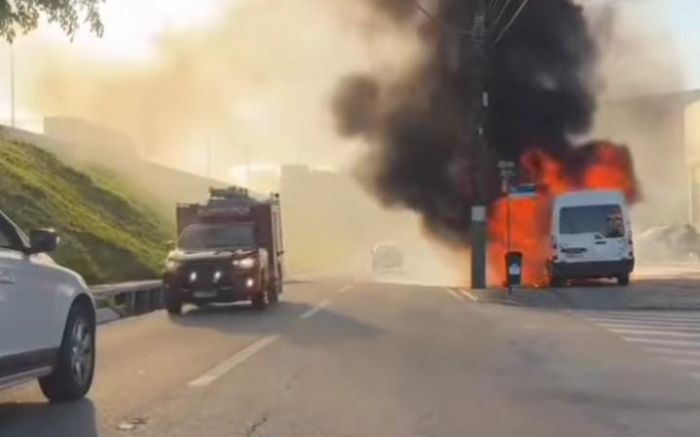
x=47, y=317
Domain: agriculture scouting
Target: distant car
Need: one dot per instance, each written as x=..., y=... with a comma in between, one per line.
x=669, y=243
x=591, y=237
x=387, y=258
x=47, y=317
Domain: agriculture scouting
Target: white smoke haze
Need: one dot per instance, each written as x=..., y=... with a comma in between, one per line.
x=255, y=84
x=638, y=53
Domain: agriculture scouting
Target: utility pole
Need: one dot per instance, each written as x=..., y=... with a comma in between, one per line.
x=479, y=157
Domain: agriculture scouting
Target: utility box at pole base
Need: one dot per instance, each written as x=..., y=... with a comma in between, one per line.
x=514, y=268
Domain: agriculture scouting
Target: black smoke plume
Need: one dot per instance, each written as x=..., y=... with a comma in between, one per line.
x=540, y=77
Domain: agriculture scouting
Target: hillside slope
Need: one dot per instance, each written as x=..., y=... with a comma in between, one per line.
x=106, y=235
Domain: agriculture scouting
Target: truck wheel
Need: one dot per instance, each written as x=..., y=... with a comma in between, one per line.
x=273, y=295
x=173, y=305
x=623, y=280
x=259, y=301
x=75, y=365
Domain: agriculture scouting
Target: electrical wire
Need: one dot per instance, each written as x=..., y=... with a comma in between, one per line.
x=510, y=23
x=501, y=13
x=493, y=6
x=445, y=24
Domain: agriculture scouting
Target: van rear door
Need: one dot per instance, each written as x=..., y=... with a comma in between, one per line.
x=592, y=233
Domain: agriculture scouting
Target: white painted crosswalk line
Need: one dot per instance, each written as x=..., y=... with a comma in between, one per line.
x=673, y=337
x=655, y=333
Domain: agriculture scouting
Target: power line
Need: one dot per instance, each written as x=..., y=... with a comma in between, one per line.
x=501, y=12
x=449, y=26
x=494, y=6
x=510, y=23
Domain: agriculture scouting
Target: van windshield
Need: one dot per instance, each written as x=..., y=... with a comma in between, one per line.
x=604, y=220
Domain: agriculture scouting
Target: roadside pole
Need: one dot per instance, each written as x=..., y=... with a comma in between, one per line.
x=479, y=157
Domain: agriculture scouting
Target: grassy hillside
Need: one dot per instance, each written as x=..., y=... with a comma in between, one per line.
x=105, y=235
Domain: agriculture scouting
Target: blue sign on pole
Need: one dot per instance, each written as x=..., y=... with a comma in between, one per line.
x=525, y=191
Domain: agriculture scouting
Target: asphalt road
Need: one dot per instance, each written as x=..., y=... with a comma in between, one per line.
x=341, y=358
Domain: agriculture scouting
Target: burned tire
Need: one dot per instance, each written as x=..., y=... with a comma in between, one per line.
x=623, y=280
x=75, y=365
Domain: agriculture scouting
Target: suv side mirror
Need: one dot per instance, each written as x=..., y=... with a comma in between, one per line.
x=43, y=240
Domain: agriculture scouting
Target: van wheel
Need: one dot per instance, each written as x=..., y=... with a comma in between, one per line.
x=75, y=365
x=557, y=282
x=623, y=280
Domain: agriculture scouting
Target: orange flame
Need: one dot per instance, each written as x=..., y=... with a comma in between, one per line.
x=610, y=167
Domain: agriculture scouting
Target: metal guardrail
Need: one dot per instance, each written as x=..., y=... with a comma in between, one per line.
x=130, y=298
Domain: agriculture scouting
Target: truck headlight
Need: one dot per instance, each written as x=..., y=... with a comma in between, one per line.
x=244, y=263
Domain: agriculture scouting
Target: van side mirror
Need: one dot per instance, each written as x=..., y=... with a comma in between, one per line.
x=43, y=241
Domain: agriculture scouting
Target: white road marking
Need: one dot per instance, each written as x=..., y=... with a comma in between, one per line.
x=673, y=337
x=606, y=319
x=454, y=294
x=310, y=313
x=656, y=333
x=469, y=295
x=229, y=364
x=684, y=362
x=660, y=326
x=680, y=352
x=345, y=288
x=661, y=341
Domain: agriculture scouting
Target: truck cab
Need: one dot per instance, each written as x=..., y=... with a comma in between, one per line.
x=229, y=249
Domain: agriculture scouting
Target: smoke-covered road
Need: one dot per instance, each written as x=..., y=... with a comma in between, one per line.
x=368, y=359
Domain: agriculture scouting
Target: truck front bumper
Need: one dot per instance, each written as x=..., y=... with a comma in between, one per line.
x=242, y=288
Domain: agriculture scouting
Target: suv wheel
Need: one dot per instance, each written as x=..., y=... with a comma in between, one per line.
x=75, y=366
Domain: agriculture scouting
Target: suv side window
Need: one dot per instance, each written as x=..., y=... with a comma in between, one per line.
x=9, y=237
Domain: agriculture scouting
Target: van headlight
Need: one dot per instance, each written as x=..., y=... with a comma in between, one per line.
x=245, y=263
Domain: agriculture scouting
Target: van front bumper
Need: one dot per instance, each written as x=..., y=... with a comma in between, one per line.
x=598, y=269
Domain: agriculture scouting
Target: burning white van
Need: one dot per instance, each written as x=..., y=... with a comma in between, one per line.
x=591, y=237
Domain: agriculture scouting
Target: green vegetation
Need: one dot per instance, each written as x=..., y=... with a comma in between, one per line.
x=106, y=235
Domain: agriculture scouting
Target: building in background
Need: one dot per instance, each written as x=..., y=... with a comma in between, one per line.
x=663, y=133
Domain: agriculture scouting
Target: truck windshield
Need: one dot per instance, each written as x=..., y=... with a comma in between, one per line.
x=605, y=220
x=224, y=236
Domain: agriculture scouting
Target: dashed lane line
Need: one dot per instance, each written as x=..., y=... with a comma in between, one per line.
x=455, y=295
x=235, y=360
x=469, y=294
x=311, y=312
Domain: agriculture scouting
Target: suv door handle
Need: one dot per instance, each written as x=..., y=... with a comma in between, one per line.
x=6, y=277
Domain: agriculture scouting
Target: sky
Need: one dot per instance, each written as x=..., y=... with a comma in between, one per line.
x=684, y=20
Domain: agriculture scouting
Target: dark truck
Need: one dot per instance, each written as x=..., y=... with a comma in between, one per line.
x=228, y=250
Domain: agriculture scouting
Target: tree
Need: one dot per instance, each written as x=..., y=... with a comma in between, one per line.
x=24, y=15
